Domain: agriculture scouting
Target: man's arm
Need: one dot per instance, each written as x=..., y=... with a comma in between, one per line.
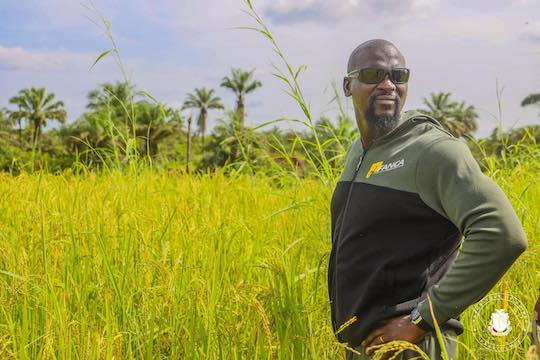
x=450, y=181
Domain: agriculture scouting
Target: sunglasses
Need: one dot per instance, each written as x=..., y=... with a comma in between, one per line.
x=376, y=75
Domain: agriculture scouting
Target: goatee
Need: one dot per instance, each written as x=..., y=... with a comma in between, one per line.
x=382, y=123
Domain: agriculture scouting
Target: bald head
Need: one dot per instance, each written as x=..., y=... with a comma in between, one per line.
x=374, y=51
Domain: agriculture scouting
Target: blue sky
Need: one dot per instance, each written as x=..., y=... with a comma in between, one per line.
x=171, y=47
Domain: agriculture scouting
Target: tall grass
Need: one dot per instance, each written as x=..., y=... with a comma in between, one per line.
x=124, y=154
x=196, y=267
x=153, y=267
x=313, y=151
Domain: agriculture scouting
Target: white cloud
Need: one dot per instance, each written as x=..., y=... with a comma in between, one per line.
x=286, y=11
x=193, y=18
x=20, y=59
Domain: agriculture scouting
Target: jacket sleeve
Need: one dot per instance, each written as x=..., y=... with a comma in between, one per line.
x=449, y=180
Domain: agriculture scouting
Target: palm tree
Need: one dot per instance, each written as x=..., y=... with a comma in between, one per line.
x=241, y=83
x=532, y=99
x=110, y=94
x=204, y=100
x=116, y=100
x=37, y=106
x=439, y=105
x=458, y=118
x=154, y=124
x=466, y=115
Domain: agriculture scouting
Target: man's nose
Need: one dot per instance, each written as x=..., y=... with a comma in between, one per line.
x=387, y=85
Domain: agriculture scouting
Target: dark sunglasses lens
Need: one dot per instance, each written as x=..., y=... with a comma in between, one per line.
x=372, y=76
x=400, y=75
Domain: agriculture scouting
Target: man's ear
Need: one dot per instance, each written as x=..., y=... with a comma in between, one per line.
x=347, y=86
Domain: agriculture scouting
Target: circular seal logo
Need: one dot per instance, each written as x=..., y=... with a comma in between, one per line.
x=499, y=322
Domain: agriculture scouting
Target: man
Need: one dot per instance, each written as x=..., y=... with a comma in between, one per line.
x=535, y=330
x=407, y=195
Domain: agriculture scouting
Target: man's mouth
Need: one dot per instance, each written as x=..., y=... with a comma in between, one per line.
x=386, y=99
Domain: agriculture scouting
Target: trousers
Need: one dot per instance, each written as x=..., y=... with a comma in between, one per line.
x=429, y=344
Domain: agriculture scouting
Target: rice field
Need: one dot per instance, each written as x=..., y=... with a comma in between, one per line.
x=163, y=266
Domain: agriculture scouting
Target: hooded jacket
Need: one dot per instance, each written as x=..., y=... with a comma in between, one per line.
x=413, y=215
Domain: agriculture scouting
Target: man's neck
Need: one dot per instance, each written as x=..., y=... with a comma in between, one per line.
x=369, y=134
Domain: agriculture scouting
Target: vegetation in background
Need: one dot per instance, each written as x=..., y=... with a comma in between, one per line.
x=459, y=118
x=35, y=106
x=123, y=123
x=241, y=83
x=532, y=99
x=202, y=99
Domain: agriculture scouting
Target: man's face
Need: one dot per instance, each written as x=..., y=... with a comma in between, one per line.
x=378, y=104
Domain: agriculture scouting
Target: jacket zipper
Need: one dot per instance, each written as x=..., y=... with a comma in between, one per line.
x=376, y=141
x=341, y=230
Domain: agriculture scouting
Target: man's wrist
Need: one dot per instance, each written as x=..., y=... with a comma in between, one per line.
x=418, y=320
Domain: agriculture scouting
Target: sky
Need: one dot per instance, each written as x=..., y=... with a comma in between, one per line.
x=169, y=48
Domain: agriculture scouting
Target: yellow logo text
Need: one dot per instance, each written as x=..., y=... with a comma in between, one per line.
x=375, y=167
x=379, y=167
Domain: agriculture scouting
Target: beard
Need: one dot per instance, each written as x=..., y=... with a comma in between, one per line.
x=382, y=123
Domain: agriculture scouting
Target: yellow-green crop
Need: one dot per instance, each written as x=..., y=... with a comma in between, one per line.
x=156, y=266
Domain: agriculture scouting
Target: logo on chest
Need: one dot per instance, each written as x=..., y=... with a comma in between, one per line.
x=380, y=166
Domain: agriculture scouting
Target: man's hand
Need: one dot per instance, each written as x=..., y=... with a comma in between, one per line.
x=398, y=328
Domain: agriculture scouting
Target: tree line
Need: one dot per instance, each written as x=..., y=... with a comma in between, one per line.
x=121, y=123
